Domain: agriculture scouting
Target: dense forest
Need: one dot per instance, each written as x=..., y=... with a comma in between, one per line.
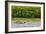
x=26, y=12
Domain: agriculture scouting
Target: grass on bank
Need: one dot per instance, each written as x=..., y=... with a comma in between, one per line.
x=27, y=19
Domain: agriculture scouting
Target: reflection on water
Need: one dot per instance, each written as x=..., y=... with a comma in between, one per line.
x=25, y=24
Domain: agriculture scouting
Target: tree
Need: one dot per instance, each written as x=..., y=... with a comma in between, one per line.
x=26, y=12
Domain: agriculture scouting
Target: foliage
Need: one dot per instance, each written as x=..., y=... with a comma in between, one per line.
x=26, y=11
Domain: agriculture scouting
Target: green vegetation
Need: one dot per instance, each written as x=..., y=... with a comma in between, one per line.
x=26, y=12
x=27, y=19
